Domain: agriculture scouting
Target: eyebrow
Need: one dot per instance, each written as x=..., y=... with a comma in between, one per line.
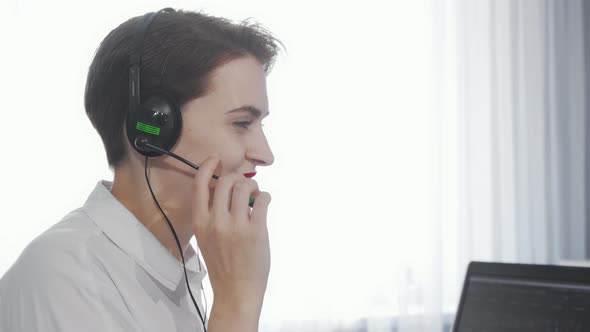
x=250, y=109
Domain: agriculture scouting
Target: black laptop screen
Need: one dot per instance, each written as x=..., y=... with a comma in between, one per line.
x=498, y=304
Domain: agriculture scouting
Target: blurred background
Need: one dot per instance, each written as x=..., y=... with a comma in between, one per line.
x=410, y=137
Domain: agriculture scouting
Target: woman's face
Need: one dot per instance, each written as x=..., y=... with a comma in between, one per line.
x=227, y=121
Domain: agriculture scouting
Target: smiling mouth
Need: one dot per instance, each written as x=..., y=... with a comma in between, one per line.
x=249, y=175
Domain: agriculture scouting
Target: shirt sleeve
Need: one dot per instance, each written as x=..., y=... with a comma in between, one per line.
x=52, y=287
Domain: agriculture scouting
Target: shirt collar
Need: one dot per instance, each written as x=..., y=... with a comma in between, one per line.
x=121, y=226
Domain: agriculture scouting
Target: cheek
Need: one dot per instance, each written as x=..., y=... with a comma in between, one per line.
x=229, y=164
x=232, y=155
x=198, y=142
x=226, y=166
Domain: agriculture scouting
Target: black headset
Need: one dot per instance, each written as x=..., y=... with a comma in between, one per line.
x=157, y=120
x=153, y=126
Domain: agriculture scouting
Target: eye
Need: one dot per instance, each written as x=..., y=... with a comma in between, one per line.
x=243, y=124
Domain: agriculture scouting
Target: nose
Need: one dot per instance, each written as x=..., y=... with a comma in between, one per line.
x=259, y=152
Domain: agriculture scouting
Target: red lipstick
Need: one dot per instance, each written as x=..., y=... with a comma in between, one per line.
x=249, y=175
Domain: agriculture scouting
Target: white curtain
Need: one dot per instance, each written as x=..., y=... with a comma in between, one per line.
x=505, y=175
x=512, y=83
x=510, y=136
x=410, y=137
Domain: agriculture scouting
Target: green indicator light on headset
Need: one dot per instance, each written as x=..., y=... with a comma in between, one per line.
x=147, y=128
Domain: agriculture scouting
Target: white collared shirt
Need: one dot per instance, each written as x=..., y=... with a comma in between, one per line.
x=100, y=269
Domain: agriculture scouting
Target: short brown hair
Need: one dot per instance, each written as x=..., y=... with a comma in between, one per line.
x=180, y=51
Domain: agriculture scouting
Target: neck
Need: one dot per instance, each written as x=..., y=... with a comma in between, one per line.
x=131, y=189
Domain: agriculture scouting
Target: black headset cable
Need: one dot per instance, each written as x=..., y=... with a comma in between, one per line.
x=179, y=247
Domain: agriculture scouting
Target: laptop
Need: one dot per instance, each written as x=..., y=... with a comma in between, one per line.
x=499, y=297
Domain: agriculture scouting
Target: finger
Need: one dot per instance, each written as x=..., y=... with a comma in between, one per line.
x=243, y=189
x=215, y=176
x=213, y=183
x=201, y=185
x=260, y=208
x=223, y=191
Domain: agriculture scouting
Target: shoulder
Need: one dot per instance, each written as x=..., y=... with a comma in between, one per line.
x=62, y=249
x=56, y=281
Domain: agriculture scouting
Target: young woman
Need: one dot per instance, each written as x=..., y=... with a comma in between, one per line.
x=123, y=261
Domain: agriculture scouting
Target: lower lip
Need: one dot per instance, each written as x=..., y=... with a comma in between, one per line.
x=249, y=175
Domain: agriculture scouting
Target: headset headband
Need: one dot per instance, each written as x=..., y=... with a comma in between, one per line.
x=135, y=59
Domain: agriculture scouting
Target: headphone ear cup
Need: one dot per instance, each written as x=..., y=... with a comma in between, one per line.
x=159, y=120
